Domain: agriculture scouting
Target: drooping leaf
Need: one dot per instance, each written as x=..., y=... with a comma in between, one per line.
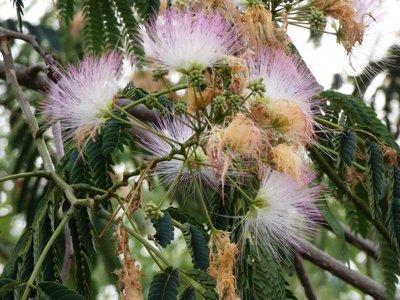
x=206, y=281
x=147, y=8
x=357, y=114
x=164, y=230
x=7, y=286
x=112, y=32
x=390, y=266
x=19, y=6
x=82, y=257
x=267, y=280
x=165, y=285
x=93, y=30
x=65, y=9
x=188, y=294
x=395, y=203
x=347, y=148
x=57, y=291
x=197, y=246
x=375, y=177
x=115, y=135
x=100, y=164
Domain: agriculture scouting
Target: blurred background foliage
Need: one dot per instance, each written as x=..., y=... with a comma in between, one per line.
x=67, y=32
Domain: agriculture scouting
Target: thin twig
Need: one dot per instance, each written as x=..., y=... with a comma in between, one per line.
x=305, y=282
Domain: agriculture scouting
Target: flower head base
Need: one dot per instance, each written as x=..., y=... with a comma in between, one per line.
x=82, y=97
x=284, y=77
x=187, y=40
x=278, y=218
x=160, y=141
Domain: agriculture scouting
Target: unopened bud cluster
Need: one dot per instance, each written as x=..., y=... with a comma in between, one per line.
x=152, y=212
x=257, y=87
x=317, y=20
x=196, y=77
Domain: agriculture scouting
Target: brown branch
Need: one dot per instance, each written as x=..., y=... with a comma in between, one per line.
x=33, y=77
x=305, y=282
x=363, y=244
x=356, y=279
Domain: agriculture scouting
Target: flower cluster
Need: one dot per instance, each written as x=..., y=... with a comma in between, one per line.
x=246, y=114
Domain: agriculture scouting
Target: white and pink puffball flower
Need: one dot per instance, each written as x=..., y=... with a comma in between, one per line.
x=83, y=96
x=282, y=214
x=284, y=76
x=188, y=40
x=169, y=133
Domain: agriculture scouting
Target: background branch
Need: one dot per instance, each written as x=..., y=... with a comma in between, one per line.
x=356, y=279
x=305, y=282
x=33, y=77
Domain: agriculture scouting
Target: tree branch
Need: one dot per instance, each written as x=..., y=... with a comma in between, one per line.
x=363, y=244
x=356, y=279
x=305, y=282
x=33, y=77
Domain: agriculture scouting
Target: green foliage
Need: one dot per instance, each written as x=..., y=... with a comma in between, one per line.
x=115, y=135
x=197, y=246
x=357, y=115
x=100, y=164
x=147, y=8
x=375, y=177
x=165, y=285
x=206, y=281
x=83, y=254
x=7, y=286
x=347, y=148
x=164, y=230
x=267, y=280
x=130, y=26
x=112, y=31
x=65, y=9
x=390, y=267
x=93, y=31
x=52, y=264
x=394, y=202
x=337, y=229
x=19, y=6
x=57, y=291
x=188, y=294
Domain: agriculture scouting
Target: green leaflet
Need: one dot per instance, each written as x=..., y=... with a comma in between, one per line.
x=188, y=294
x=65, y=9
x=268, y=282
x=93, y=30
x=100, y=164
x=347, y=148
x=115, y=136
x=376, y=179
x=147, y=8
x=83, y=260
x=164, y=230
x=390, y=266
x=19, y=6
x=197, y=246
x=206, y=281
x=357, y=114
x=111, y=26
x=165, y=285
x=130, y=27
x=395, y=203
x=57, y=291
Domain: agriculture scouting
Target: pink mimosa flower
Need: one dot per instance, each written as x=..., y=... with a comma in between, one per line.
x=187, y=40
